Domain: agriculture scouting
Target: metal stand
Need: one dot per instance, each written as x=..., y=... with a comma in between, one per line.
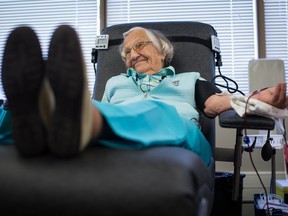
x=237, y=165
x=273, y=173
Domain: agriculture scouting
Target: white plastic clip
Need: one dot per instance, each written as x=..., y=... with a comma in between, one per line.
x=215, y=43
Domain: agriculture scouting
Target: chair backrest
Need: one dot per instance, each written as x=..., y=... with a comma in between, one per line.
x=192, y=45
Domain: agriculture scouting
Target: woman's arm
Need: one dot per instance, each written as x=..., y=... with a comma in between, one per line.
x=275, y=96
x=216, y=104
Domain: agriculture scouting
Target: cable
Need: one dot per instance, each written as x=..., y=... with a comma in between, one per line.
x=247, y=141
x=227, y=80
x=284, y=133
x=95, y=70
x=94, y=56
x=230, y=89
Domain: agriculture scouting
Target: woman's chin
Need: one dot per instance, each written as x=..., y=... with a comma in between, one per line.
x=140, y=68
x=143, y=67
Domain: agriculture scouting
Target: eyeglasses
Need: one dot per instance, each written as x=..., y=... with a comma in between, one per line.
x=137, y=46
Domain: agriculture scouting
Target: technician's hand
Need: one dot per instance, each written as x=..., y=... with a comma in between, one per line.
x=275, y=96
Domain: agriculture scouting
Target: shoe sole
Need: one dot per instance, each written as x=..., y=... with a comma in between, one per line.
x=22, y=78
x=65, y=73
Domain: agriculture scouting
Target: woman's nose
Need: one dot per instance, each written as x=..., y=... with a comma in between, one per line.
x=134, y=54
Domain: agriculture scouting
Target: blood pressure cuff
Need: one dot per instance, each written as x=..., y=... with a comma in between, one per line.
x=203, y=90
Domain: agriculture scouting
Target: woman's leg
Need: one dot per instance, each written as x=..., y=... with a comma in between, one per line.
x=22, y=77
x=97, y=128
x=150, y=123
x=73, y=121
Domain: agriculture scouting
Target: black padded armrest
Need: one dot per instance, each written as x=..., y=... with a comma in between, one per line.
x=230, y=119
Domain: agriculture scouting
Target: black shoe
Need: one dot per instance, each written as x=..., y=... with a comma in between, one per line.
x=22, y=78
x=66, y=74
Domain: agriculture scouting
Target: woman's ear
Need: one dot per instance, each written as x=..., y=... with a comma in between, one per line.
x=163, y=58
x=166, y=62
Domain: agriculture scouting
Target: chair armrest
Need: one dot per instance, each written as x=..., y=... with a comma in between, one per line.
x=230, y=119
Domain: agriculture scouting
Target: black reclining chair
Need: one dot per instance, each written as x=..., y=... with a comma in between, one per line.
x=102, y=181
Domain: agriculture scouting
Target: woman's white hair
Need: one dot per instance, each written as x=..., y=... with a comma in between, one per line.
x=159, y=40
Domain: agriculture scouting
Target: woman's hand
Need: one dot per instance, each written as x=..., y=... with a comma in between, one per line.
x=275, y=96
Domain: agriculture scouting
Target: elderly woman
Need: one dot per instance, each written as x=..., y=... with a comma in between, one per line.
x=147, y=106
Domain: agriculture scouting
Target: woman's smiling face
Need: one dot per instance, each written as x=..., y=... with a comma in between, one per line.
x=141, y=54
